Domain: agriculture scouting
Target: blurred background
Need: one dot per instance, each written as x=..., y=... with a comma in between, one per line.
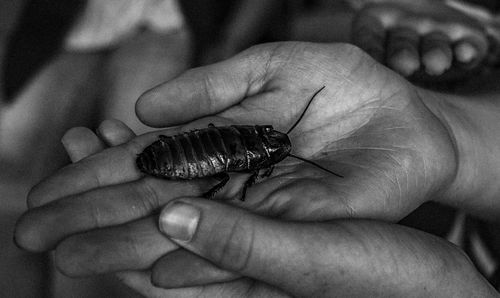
x=74, y=63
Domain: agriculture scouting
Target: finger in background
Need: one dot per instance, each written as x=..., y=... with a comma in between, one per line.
x=369, y=34
x=437, y=55
x=80, y=142
x=470, y=51
x=403, y=50
x=114, y=132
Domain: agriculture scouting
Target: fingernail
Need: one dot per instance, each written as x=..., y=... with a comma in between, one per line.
x=179, y=221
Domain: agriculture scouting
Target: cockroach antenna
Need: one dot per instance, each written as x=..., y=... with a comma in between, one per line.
x=297, y=122
x=305, y=109
x=315, y=164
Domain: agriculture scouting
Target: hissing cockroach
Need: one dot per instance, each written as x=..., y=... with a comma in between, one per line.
x=215, y=151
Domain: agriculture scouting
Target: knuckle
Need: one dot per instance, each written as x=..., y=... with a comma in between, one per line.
x=147, y=195
x=236, y=247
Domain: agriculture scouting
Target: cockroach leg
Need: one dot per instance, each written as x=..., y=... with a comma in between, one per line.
x=250, y=181
x=267, y=172
x=223, y=178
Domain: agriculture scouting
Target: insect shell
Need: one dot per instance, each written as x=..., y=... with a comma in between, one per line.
x=214, y=150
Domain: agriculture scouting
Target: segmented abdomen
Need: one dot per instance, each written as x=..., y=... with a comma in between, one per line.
x=204, y=152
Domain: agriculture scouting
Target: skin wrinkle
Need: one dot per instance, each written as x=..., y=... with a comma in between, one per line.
x=406, y=174
x=210, y=90
x=268, y=71
x=445, y=122
x=96, y=215
x=148, y=191
x=344, y=136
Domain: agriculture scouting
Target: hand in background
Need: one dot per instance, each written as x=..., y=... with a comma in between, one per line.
x=426, y=35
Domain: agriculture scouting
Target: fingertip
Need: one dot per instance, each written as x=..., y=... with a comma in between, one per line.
x=114, y=132
x=146, y=107
x=436, y=62
x=404, y=62
x=402, y=50
x=27, y=236
x=466, y=52
x=80, y=142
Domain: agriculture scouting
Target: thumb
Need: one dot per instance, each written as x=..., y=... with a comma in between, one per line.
x=357, y=258
x=238, y=241
x=205, y=90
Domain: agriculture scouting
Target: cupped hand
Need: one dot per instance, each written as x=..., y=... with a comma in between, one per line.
x=368, y=125
x=409, y=36
x=270, y=254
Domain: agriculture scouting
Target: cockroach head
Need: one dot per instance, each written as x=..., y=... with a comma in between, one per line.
x=278, y=144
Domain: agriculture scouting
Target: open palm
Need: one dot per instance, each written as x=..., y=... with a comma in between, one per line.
x=368, y=125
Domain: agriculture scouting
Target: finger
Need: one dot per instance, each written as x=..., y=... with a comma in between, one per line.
x=468, y=39
x=133, y=246
x=243, y=287
x=206, y=90
x=40, y=229
x=369, y=34
x=352, y=257
x=140, y=281
x=110, y=166
x=471, y=51
x=181, y=268
x=81, y=142
x=402, y=50
x=437, y=55
x=114, y=132
x=465, y=52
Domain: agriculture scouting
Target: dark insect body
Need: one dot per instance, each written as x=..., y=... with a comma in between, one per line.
x=215, y=151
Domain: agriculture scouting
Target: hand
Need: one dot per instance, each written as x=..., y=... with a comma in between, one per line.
x=340, y=254
x=430, y=35
x=182, y=272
